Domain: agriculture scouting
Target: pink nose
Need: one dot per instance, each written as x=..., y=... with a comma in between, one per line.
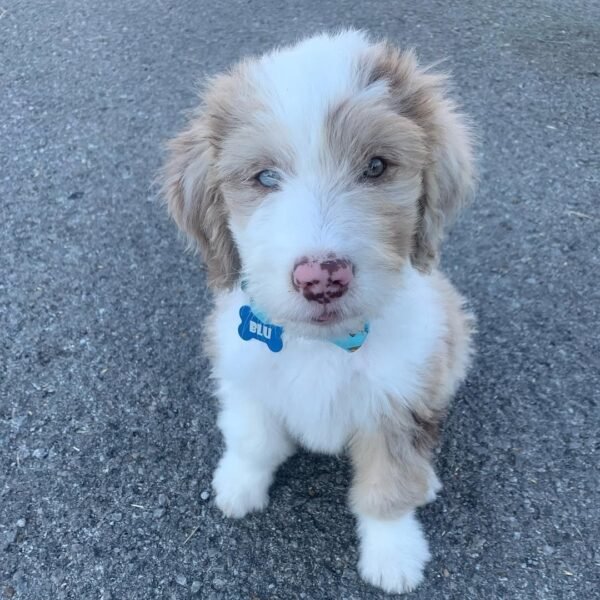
x=322, y=280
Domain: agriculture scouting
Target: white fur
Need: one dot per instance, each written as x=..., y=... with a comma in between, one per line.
x=326, y=64
x=392, y=553
x=256, y=445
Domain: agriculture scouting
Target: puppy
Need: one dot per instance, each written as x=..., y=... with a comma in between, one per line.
x=317, y=182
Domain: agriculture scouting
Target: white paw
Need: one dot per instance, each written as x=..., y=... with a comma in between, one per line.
x=393, y=553
x=240, y=487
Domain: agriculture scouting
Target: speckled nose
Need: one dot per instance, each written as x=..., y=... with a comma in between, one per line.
x=322, y=280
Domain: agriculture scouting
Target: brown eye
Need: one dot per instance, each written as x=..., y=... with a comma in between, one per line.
x=375, y=168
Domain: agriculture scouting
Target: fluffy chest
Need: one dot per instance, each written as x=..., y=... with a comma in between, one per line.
x=320, y=392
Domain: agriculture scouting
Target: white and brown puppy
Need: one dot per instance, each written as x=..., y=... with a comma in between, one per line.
x=317, y=181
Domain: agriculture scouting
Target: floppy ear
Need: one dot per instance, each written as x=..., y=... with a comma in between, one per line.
x=196, y=203
x=448, y=177
x=448, y=180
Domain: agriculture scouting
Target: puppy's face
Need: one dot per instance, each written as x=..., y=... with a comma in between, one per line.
x=315, y=174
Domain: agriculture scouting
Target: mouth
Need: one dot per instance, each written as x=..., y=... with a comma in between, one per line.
x=327, y=323
x=327, y=318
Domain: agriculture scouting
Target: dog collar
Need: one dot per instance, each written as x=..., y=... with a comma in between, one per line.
x=255, y=325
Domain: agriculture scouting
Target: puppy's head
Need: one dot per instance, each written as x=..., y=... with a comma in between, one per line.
x=316, y=173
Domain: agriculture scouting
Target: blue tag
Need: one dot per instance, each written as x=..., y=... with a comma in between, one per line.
x=353, y=341
x=253, y=327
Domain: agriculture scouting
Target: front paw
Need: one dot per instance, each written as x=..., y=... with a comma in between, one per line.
x=240, y=487
x=393, y=553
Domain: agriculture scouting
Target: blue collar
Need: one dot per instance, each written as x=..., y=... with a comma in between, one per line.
x=255, y=325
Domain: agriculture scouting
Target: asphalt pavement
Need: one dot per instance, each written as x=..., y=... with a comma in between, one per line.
x=107, y=425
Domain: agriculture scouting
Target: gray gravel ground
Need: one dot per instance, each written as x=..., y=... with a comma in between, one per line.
x=107, y=428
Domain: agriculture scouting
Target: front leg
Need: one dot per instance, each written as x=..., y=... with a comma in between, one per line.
x=392, y=476
x=255, y=445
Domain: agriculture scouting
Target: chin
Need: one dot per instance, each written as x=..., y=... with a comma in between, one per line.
x=317, y=183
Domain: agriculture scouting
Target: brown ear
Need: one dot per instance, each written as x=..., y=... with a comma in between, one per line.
x=196, y=204
x=448, y=177
x=448, y=182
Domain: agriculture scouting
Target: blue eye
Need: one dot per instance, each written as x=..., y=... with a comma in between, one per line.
x=375, y=168
x=268, y=178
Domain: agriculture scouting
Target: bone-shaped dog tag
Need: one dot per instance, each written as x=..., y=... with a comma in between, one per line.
x=253, y=327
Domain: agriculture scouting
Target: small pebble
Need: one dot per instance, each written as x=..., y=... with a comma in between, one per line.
x=23, y=453
x=218, y=583
x=180, y=579
x=205, y=495
x=158, y=513
x=162, y=500
x=76, y=549
x=21, y=523
x=8, y=539
x=195, y=587
x=117, y=517
x=9, y=592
